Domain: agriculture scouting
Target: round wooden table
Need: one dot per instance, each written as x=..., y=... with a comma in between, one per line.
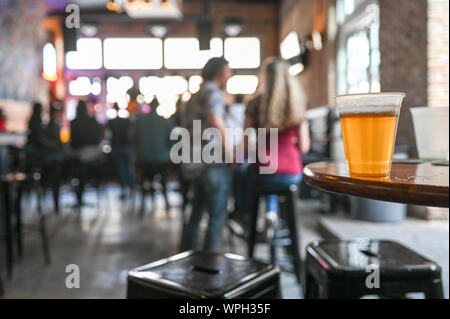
x=423, y=184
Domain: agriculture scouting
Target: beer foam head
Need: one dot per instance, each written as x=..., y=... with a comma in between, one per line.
x=381, y=103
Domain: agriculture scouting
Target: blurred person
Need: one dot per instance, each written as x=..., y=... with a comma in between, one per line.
x=235, y=118
x=86, y=135
x=37, y=144
x=35, y=134
x=53, y=128
x=56, y=156
x=212, y=186
x=133, y=105
x=280, y=103
x=41, y=151
x=3, y=148
x=122, y=150
x=2, y=121
x=152, y=143
x=185, y=184
x=235, y=115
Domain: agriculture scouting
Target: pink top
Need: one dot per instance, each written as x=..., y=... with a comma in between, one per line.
x=289, y=156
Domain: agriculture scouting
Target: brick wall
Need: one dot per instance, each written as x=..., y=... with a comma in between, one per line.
x=303, y=16
x=438, y=44
x=403, y=45
x=261, y=20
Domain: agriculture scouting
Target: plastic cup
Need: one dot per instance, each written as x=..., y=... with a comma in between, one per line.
x=369, y=129
x=431, y=131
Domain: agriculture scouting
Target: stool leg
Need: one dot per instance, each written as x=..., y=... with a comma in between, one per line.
x=164, y=190
x=19, y=221
x=278, y=292
x=143, y=193
x=7, y=228
x=2, y=291
x=273, y=253
x=335, y=291
x=98, y=193
x=311, y=290
x=43, y=230
x=151, y=193
x=295, y=241
x=231, y=244
x=435, y=291
x=253, y=220
x=272, y=242
x=184, y=193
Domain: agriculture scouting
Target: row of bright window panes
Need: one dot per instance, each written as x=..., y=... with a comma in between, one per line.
x=363, y=63
x=147, y=53
x=116, y=88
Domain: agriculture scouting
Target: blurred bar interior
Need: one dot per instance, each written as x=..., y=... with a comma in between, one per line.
x=90, y=91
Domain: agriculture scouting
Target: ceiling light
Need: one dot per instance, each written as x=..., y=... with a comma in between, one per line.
x=158, y=30
x=317, y=40
x=162, y=9
x=114, y=5
x=89, y=29
x=165, y=3
x=233, y=26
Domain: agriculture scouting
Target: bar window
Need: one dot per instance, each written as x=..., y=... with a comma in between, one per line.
x=88, y=55
x=185, y=53
x=358, y=56
x=243, y=53
x=83, y=86
x=133, y=53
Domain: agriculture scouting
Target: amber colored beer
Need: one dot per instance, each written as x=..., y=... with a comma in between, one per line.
x=369, y=141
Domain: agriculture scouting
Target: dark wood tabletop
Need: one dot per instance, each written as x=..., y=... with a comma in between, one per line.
x=423, y=184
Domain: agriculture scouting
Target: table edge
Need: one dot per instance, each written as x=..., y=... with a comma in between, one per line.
x=435, y=196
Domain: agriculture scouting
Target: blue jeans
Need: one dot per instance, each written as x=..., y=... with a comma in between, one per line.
x=275, y=180
x=122, y=156
x=211, y=192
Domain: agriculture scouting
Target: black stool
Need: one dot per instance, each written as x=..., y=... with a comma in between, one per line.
x=34, y=181
x=340, y=269
x=288, y=212
x=202, y=275
x=149, y=172
x=13, y=186
x=9, y=205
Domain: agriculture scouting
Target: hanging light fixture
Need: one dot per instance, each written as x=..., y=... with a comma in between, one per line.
x=114, y=5
x=158, y=30
x=233, y=27
x=89, y=29
x=147, y=8
x=165, y=3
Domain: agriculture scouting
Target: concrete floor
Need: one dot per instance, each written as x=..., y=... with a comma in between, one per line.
x=109, y=240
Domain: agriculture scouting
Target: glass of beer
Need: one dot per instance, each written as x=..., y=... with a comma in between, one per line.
x=369, y=129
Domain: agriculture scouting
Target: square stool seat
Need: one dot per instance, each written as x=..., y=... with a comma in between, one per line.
x=339, y=269
x=204, y=275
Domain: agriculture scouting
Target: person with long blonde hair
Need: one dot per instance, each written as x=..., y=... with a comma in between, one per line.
x=280, y=103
